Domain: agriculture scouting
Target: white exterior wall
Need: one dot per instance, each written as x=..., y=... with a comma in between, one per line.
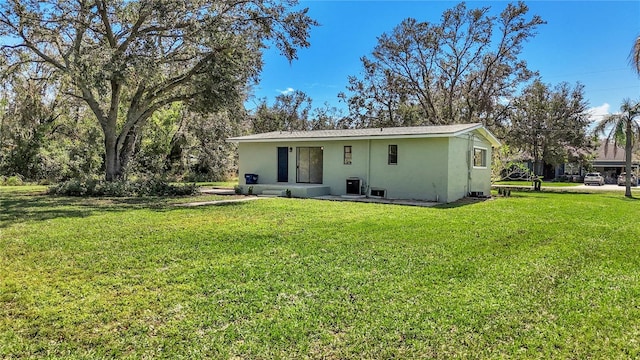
x=458, y=169
x=262, y=159
x=433, y=169
x=258, y=158
x=463, y=176
x=481, y=177
x=421, y=171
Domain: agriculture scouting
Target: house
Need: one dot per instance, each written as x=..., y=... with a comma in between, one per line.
x=611, y=163
x=433, y=163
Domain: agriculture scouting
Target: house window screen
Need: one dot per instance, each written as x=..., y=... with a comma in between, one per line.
x=347, y=155
x=479, y=157
x=393, y=155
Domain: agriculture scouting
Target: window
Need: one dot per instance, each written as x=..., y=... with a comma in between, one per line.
x=393, y=154
x=347, y=155
x=479, y=157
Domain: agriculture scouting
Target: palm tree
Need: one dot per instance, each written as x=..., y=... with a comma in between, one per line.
x=635, y=55
x=622, y=127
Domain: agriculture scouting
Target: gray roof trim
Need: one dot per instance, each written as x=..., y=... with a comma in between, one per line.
x=370, y=134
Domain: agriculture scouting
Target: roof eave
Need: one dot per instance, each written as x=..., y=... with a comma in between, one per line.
x=346, y=138
x=479, y=127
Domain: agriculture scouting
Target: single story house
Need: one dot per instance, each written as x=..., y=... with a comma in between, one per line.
x=609, y=162
x=433, y=163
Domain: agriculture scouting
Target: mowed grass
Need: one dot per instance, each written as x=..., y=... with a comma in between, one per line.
x=535, y=275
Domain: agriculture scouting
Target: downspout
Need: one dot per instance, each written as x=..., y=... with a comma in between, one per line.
x=368, y=168
x=469, y=162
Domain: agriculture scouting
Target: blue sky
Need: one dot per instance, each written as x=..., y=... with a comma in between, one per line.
x=585, y=41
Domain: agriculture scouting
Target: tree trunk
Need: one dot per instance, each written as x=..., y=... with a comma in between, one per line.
x=113, y=170
x=627, y=157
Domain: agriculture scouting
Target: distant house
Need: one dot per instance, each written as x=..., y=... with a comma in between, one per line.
x=434, y=163
x=611, y=163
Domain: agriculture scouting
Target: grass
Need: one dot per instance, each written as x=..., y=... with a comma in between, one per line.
x=535, y=275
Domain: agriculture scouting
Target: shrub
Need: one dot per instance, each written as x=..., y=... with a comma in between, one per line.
x=122, y=188
x=12, y=181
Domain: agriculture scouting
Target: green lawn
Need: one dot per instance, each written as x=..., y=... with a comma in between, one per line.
x=535, y=275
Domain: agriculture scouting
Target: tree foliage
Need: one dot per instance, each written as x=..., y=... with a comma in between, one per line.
x=634, y=57
x=43, y=137
x=294, y=111
x=27, y=120
x=550, y=123
x=128, y=59
x=623, y=127
x=289, y=112
x=456, y=71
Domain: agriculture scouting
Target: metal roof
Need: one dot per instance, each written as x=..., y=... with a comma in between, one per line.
x=370, y=133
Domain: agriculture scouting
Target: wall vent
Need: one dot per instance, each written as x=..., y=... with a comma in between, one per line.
x=378, y=193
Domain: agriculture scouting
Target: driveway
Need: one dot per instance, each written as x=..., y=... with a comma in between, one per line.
x=605, y=187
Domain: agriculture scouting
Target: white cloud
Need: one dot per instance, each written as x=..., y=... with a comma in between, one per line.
x=599, y=112
x=285, y=92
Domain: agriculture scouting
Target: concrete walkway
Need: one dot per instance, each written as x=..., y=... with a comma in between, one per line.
x=406, y=202
x=218, y=202
x=217, y=191
x=606, y=187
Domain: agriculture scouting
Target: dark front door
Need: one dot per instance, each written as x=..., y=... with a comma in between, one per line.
x=283, y=164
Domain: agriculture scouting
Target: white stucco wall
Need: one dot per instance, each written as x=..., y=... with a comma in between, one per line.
x=463, y=176
x=434, y=169
x=261, y=159
x=481, y=177
x=421, y=171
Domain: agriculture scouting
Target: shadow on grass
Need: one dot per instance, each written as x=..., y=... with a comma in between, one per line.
x=462, y=202
x=40, y=207
x=21, y=207
x=18, y=206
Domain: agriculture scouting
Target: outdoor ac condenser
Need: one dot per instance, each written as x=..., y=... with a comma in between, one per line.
x=353, y=186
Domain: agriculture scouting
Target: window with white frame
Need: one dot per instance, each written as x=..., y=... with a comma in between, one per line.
x=479, y=157
x=393, y=155
x=347, y=155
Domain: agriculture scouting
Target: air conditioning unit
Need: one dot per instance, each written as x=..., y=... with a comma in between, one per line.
x=353, y=186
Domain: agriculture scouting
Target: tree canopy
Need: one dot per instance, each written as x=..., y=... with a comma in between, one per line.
x=550, y=123
x=128, y=59
x=457, y=71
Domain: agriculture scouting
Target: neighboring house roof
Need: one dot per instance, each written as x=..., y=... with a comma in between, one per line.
x=610, y=156
x=372, y=133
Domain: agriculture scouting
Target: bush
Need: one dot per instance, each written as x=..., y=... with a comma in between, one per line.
x=121, y=188
x=11, y=181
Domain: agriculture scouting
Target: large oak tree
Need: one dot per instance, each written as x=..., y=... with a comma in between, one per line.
x=128, y=59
